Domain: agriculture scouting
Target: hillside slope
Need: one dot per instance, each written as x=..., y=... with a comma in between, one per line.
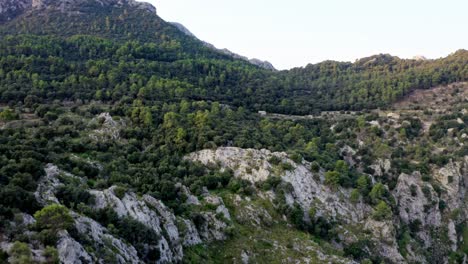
x=124, y=140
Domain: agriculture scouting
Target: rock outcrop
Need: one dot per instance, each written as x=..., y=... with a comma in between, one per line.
x=173, y=232
x=308, y=188
x=70, y=251
x=129, y=205
x=10, y=9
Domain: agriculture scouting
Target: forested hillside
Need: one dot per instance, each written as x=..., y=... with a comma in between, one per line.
x=123, y=140
x=105, y=54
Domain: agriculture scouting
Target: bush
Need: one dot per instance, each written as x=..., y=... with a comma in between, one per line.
x=332, y=178
x=378, y=192
x=8, y=115
x=287, y=166
x=355, y=195
x=357, y=250
x=20, y=253
x=382, y=211
x=73, y=195
x=120, y=191
x=54, y=217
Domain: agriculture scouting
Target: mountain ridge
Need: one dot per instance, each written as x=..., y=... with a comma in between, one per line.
x=264, y=64
x=125, y=140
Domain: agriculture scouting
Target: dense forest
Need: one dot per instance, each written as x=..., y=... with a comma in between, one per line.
x=118, y=98
x=120, y=54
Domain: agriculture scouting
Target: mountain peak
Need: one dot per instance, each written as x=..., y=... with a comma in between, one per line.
x=9, y=9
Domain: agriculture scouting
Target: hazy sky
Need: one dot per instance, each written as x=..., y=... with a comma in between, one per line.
x=291, y=33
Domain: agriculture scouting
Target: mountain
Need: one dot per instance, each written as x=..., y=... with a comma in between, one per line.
x=125, y=140
x=263, y=64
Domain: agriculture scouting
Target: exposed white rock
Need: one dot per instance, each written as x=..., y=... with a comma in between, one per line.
x=70, y=251
x=122, y=252
x=254, y=165
x=9, y=9
x=109, y=130
x=168, y=221
x=393, y=116
x=452, y=235
x=212, y=228
x=453, y=178
x=348, y=155
x=384, y=235
x=412, y=200
x=137, y=209
x=374, y=123
x=249, y=164
x=381, y=166
x=221, y=208
x=70, y=5
x=47, y=185
x=244, y=257
x=190, y=234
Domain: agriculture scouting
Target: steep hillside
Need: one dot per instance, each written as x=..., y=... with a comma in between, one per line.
x=125, y=140
x=89, y=38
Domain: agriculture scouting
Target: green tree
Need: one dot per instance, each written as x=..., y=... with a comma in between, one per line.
x=362, y=184
x=332, y=178
x=355, y=195
x=8, y=115
x=54, y=217
x=20, y=253
x=382, y=211
x=378, y=192
x=51, y=255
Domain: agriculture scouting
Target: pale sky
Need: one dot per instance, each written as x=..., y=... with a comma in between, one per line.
x=293, y=33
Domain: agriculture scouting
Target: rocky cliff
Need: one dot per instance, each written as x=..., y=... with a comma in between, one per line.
x=9, y=9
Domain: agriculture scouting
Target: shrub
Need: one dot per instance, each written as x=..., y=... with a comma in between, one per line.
x=287, y=166
x=54, y=217
x=8, y=115
x=377, y=192
x=382, y=211
x=332, y=178
x=20, y=253
x=120, y=191
x=51, y=255
x=355, y=195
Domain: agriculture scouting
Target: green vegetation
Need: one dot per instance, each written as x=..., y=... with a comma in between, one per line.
x=382, y=211
x=20, y=253
x=169, y=95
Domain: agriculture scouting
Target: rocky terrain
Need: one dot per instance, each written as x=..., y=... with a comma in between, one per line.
x=9, y=9
x=124, y=139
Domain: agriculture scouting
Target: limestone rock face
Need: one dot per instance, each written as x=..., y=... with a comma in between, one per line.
x=70, y=251
x=10, y=9
x=129, y=205
x=385, y=234
x=248, y=164
x=173, y=232
x=308, y=188
x=416, y=200
x=66, y=5
x=122, y=252
x=45, y=192
x=109, y=129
